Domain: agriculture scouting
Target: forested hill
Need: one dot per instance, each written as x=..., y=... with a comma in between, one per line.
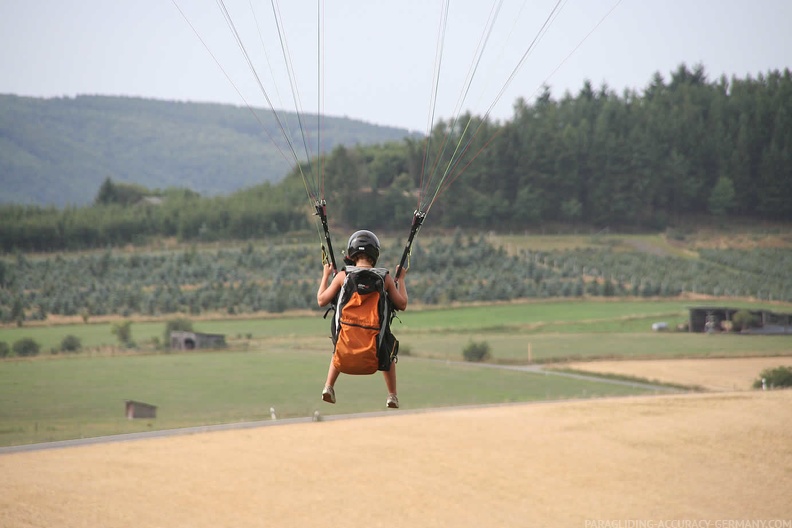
x=59, y=151
x=685, y=147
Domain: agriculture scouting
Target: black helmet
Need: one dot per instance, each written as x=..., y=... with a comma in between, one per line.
x=364, y=242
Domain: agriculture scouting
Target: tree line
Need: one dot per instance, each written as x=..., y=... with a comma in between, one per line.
x=129, y=214
x=684, y=146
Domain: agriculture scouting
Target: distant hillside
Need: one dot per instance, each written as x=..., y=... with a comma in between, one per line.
x=59, y=151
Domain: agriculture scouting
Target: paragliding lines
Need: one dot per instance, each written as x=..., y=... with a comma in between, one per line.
x=579, y=44
x=312, y=178
x=439, y=180
x=230, y=80
x=448, y=151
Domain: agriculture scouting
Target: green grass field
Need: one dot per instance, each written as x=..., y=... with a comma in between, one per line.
x=281, y=363
x=56, y=399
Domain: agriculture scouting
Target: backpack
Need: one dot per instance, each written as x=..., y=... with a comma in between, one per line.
x=362, y=339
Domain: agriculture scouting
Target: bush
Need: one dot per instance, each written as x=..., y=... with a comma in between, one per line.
x=775, y=378
x=474, y=351
x=123, y=331
x=5, y=350
x=743, y=319
x=70, y=343
x=26, y=347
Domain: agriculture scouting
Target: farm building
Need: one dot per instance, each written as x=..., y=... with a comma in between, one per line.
x=720, y=319
x=194, y=340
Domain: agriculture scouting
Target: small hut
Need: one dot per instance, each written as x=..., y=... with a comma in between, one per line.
x=136, y=409
x=195, y=340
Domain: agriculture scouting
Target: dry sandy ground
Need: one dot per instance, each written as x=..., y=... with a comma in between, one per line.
x=677, y=458
x=711, y=374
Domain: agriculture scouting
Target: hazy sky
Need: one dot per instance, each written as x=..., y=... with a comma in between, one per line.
x=379, y=55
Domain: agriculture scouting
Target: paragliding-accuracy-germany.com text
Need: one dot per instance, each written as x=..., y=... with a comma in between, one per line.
x=688, y=523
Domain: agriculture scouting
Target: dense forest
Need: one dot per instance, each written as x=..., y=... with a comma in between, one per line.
x=685, y=145
x=58, y=151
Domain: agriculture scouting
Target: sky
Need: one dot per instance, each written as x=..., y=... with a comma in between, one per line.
x=378, y=60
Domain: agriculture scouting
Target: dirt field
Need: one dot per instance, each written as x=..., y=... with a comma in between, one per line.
x=662, y=458
x=710, y=374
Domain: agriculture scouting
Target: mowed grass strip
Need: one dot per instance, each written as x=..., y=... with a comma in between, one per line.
x=50, y=400
x=555, y=315
x=101, y=334
x=515, y=348
x=565, y=316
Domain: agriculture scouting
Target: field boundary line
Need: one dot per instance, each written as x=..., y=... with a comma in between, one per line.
x=540, y=369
